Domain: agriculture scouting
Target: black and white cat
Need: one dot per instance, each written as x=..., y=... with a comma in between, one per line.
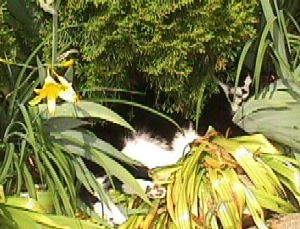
x=150, y=152
x=236, y=96
x=155, y=152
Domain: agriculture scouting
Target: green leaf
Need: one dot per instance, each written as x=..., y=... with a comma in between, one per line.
x=7, y=162
x=199, y=103
x=57, y=184
x=255, y=209
x=88, y=179
x=149, y=109
x=86, y=109
x=110, y=165
x=74, y=223
x=58, y=160
x=24, y=203
x=87, y=139
x=263, y=44
x=273, y=203
x=122, y=174
x=60, y=124
x=69, y=74
x=274, y=113
x=29, y=128
x=30, y=219
x=21, y=218
x=45, y=200
x=2, y=196
x=41, y=70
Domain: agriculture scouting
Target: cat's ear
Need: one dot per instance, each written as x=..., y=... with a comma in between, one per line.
x=240, y=94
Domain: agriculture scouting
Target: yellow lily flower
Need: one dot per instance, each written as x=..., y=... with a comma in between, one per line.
x=52, y=90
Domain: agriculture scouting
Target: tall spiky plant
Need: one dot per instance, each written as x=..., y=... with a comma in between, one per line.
x=274, y=109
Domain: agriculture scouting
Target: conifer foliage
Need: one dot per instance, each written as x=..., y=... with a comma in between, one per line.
x=171, y=46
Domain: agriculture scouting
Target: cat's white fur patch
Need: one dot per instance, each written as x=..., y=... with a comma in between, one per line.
x=110, y=212
x=153, y=152
x=147, y=150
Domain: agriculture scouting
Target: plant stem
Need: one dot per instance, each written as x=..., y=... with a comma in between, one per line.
x=54, y=36
x=55, y=32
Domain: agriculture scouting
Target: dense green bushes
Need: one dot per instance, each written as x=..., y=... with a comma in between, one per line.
x=168, y=46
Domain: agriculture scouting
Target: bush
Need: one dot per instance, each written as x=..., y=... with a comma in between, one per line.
x=165, y=46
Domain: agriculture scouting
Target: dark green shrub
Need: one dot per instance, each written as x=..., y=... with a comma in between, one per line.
x=7, y=47
x=167, y=46
x=6, y=38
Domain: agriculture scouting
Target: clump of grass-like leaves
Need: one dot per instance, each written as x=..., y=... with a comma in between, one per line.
x=221, y=183
x=50, y=151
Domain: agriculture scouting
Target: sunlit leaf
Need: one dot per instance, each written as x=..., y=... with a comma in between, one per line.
x=274, y=113
x=86, y=109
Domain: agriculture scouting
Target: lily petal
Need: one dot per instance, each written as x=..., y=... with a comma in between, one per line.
x=36, y=100
x=37, y=90
x=51, y=105
x=49, y=80
x=69, y=96
x=63, y=81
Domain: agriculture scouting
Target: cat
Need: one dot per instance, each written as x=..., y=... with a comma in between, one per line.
x=152, y=153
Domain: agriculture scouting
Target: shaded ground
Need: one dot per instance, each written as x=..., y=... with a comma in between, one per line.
x=290, y=221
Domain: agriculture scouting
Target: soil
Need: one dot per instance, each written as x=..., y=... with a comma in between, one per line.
x=289, y=221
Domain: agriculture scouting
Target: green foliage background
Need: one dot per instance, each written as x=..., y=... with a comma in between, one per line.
x=7, y=41
x=171, y=47
x=6, y=37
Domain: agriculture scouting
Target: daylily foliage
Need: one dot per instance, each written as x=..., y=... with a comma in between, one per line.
x=222, y=183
